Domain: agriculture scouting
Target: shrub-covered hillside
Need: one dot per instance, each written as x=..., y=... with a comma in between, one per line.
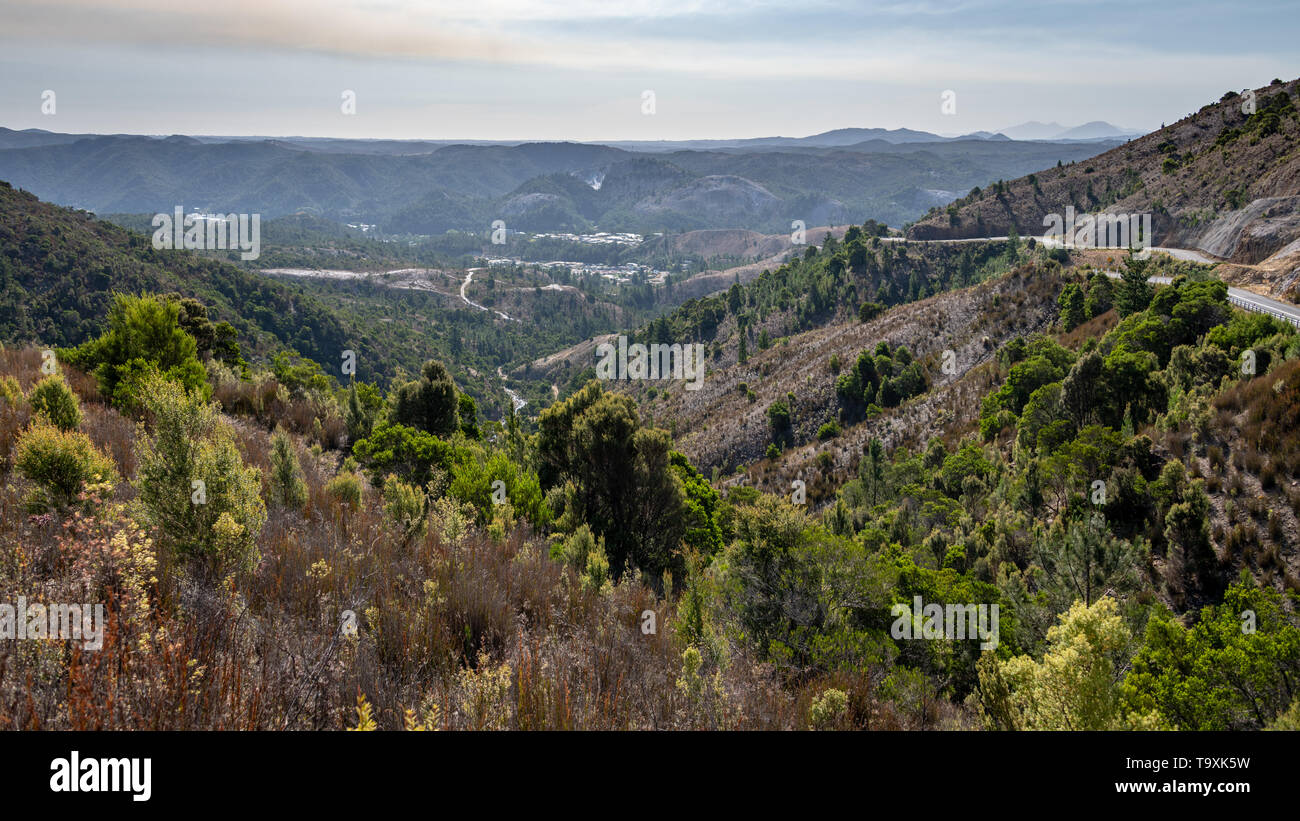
x=277, y=551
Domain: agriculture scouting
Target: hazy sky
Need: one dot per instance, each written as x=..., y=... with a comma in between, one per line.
x=577, y=69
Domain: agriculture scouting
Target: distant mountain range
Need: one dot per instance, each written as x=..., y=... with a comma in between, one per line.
x=428, y=187
x=1095, y=130
x=839, y=137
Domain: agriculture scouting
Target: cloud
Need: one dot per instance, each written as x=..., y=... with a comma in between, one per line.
x=567, y=68
x=917, y=43
x=341, y=28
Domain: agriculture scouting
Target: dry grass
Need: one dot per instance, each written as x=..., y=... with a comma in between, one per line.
x=437, y=619
x=1251, y=461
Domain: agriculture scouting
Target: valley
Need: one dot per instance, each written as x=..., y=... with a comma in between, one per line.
x=425, y=506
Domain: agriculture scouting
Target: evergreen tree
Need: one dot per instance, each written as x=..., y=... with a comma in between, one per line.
x=1134, y=292
x=288, y=488
x=428, y=403
x=1071, y=305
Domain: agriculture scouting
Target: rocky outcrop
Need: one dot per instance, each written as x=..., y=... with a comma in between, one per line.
x=1248, y=235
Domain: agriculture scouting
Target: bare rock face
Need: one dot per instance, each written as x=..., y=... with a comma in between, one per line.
x=1265, y=237
x=1251, y=234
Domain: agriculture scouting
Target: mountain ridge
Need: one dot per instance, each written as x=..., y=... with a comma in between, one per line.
x=1224, y=180
x=466, y=187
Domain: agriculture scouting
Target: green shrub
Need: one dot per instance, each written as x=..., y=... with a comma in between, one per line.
x=204, y=502
x=1290, y=720
x=574, y=550
x=829, y=709
x=474, y=478
x=405, y=505
x=869, y=311
x=413, y=455
x=62, y=465
x=144, y=338
x=363, y=406
x=299, y=374
x=450, y=519
x=288, y=489
x=595, y=577
x=52, y=398
x=428, y=403
x=1072, y=307
x=345, y=490
x=778, y=417
x=829, y=430
x=11, y=391
x=585, y=553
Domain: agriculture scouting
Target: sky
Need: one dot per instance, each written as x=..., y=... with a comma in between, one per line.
x=581, y=69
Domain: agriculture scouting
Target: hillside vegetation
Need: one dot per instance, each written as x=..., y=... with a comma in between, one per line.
x=1223, y=180
x=277, y=551
x=60, y=269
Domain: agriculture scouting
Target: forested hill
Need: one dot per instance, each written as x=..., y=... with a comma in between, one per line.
x=59, y=268
x=532, y=186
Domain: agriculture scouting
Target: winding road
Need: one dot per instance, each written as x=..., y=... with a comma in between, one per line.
x=469, y=276
x=516, y=401
x=1246, y=300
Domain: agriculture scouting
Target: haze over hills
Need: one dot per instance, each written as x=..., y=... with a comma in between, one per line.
x=1034, y=130
x=839, y=137
x=60, y=270
x=1094, y=130
x=31, y=137
x=844, y=176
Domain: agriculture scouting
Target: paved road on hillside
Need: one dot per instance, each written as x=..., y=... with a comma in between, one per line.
x=1186, y=255
x=1176, y=253
x=1246, y=300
